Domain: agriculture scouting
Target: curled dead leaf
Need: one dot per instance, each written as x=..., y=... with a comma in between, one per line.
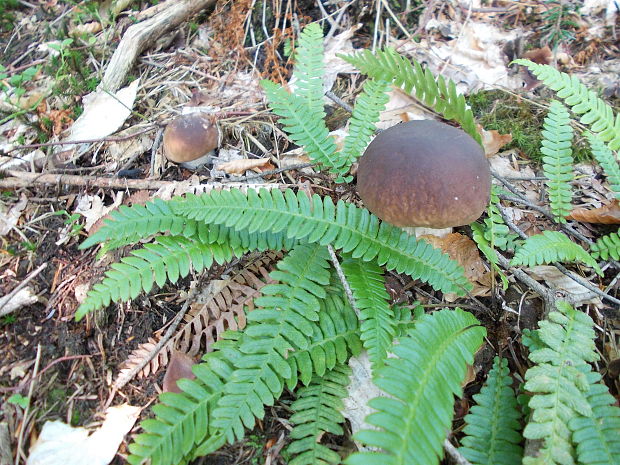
x=607, y=214
x=492, y=140
x=461, y=249
x=180, y=366
x=239, y=167
x=87, y=28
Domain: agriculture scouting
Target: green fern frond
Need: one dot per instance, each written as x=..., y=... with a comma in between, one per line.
x=478, y=234
x=335, y=339
x=431, y=364
x=497, y=232
x=558, y=160
x=549, y=247
x=305, y=128
x=168, y=259
x=606, y=247
x=377, y=317
x=284, y=323
x=593, y=110
x=181, y=420
x=368, y=105
x=128, y=225
x=597, y=438
x=438, y=93
x=559, y=383
x=315, y=412
x=607, y=160
x=309, y=68
x=318, y=220
x=492, y=425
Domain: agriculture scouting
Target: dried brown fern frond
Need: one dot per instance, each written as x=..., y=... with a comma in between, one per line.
x=222, y=308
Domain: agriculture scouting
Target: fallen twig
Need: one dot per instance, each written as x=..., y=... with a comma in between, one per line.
x=87, y=141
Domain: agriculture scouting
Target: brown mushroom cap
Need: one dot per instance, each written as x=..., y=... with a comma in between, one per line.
x=190, y=137
x=424, y=173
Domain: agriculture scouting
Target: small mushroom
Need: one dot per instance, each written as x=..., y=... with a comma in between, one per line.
x=190, y=140
x=424, y=174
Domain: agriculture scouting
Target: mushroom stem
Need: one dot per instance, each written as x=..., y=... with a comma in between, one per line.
x=418, y=231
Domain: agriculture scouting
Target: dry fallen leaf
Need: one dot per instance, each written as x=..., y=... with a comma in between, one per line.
x=462, y=249
x=9, y=219
x=607, y=214
x=92, y=208
x=239, y=167
x=180, y=366
x=554, y=277
x=83, y=29
x=492, y=140
x=104, y=113
x=61, y=444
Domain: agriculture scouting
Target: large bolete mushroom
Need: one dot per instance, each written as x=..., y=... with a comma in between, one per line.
x=424, y=173
x=190, y=140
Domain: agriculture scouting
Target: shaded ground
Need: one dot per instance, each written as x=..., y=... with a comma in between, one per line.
x=76, y=363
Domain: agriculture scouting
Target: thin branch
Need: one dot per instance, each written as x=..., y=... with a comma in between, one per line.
x=343, y=279
x=85, y=141
x=559, y=266
x=454, y=453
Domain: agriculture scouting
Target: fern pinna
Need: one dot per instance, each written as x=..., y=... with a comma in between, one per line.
x=557, y=159
x=436, y=92
x=549, y=247
x=560, y=383
x=607, y=160
x=304, y=328
x=607, y=247
x=318, y=220
x=302, y=114
x=593, y=110
x=427, y=372
x=315, y=412
x=378, y=322
x=492, y=431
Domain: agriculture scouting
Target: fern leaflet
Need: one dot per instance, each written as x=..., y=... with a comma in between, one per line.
x=368, y=106
x=557, y=159
x=309, y=68
x=597, y=438
x=607, y=247
x=492, y=436
x=423, y=380
x=335, y=338
x=168, y=259
x=305, y=128
x=549, y=247
x=607, y=160
x=318, y=220
x=128, y=225
x=438, y=94
x=185, y=424
x=317, y=411
x=377, y=317
x=593, y=110
x=497, y=232
x=182, y=419
x=558, y=382
x=283, y=324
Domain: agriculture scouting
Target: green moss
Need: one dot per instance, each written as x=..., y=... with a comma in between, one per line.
x=508, y=114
